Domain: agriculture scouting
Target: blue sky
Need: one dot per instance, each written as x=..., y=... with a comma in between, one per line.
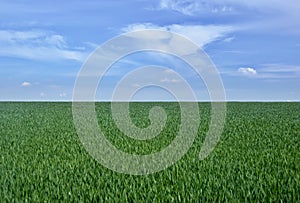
x=254, y=44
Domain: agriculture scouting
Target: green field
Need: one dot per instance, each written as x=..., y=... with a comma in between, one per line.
x=257, y=158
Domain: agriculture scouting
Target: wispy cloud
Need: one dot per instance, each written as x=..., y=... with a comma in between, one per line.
x=170, y=80
x=184, y=7
x=168, y=72
x=247, y=71
x=193, y=7
x=267, y=71
x=279, y=71
x=37, y=45
x=281, y=68
x=200, y=34
x=26, y=84
x=228, y=39
x=272, y=14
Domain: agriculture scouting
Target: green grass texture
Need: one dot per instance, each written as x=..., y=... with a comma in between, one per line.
x=256, y=160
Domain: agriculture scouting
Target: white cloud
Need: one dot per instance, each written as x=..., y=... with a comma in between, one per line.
x=140, y=26
x=281, y=68
x=168, y=71
x=57, y=41
x=200, y=34
x=26, y=84
x=247, y=71
x=170, y=80
x=192, y=7
x=279, y=71
x=222, y=9
x=275, y=5
x=63, y=94
x=37, y=45
x=13, y=36
x=228, y=39
x=275, y=15
x=92, y=45
x=268, y=71
x=42, y=94
x=163, y=41
x=185, y=7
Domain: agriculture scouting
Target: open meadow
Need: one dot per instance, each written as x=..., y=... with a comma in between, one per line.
x=257, y=158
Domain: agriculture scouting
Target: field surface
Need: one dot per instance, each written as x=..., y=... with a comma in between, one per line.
x=257, y=158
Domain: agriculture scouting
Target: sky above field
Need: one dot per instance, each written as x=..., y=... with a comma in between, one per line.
x=255, y=45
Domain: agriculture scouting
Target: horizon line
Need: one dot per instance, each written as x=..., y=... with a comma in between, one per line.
x=71, y=101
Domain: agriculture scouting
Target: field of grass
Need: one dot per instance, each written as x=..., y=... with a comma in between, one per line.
x=257, y=158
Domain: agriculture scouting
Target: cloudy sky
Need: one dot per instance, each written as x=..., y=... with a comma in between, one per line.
x=255, y=45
